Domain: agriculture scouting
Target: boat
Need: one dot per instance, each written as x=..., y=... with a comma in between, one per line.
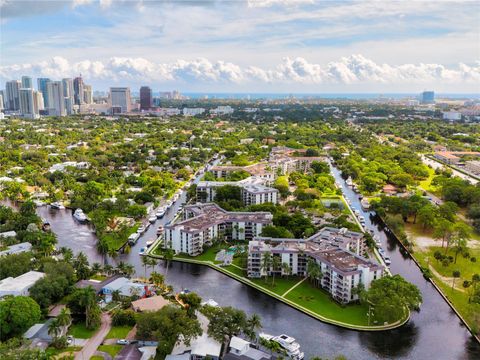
x=152, y=219
x=133, y=238
x=160, y=230
x=57, y=206
x=288, y=343
x=149, y=242
x=141, y=229
x=142, y=251
x=365, y=204
x=160, y=213
x=80, y=215
x=387, y=260
x=45, y=225
x=38, y=203
x=349, y=181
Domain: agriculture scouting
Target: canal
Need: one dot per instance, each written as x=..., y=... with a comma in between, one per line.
x=435, y=332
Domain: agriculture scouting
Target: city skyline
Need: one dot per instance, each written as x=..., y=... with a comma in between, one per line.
x=246, y=46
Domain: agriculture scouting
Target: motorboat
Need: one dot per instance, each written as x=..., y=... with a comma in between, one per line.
x=365, y=204
x=387, y=260
x=160, y=230
x=288, y=343
x=58, y=206
x=133, y=238
x=80, y=215
x=349, y=181
x=160, y=213
x=38, y=203
x=142, y=251
x=149, y=243
x=152, y=219
x=141, y=229
x=45, y=225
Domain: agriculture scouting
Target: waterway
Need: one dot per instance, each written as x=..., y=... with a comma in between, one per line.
x=435, y=332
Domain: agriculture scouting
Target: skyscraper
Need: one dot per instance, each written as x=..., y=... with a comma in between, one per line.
x=42, y=87
x=78, y=90
x=12, y=92
x=28, y=103
x=87, y=94
x=428, y=97
x=56, y=101
x=145, y=98
x=27, y=82
x=68, y=95
x=2, y=106
x=120, y=99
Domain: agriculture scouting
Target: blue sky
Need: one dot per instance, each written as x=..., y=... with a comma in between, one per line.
x=253, y=46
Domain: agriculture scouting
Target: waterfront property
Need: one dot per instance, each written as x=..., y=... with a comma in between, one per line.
x=203, y=223
x=253, y=191
x=16, y=248
x=20, y=285
x=338, y=253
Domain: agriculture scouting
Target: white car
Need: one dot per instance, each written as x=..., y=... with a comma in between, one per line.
x=123, y=342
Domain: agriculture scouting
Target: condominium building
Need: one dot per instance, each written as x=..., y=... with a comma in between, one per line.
x=338, y=252
x=253, y=191
x=27, y=82
x=146, y=101
x=12, y=95
x=203, y=223
x=120, y=100
x=87, y=94
x=42, y=87
x=28, y=104
x=78, y=90
x=260, y=170
x=192, y=111
x=56, y=101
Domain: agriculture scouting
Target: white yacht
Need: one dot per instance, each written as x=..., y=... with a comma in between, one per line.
x=349, y=181
x=288, y=343
x=149, y=242
x=141, y=229
x=80, y=215
x=58, y=206
x=387, y=260
x=152, y=218
x=160, y=213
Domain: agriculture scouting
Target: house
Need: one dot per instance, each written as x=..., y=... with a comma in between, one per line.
x=20, y=285
x=153, y=303
x=390, y=189
x=201, y=347
x=125, y=287
x=240, y=349
x=17, y=248
x=95, y=284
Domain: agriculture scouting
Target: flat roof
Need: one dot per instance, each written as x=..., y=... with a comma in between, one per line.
x=21, y=282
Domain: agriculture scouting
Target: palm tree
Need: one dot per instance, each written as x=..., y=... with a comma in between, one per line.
x=153, y=263
x=314, y=271
x=276, y=265
x=286, y=269
x=96, y=267
x=67, y=254
x=129, y=270
x=157, y=279
x=112, y=253
x=116, y=295
x=121, y=267
x=64, y=319
x=455, y=274
x=266, y=263
x=102, y=248
x=145, y=262
x=54, y=328
x=168, y=258
x=107, y=268
x=254, y=323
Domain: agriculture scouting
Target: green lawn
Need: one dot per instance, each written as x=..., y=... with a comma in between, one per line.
x=80, y=331
x=280, y=286
x=319, y=301
x=113, y=350
x=69, y=350
x=235, y=270
x=96, y=357
x=114, y=241
x=98, y=277
x=118, y=332
x=427, y=183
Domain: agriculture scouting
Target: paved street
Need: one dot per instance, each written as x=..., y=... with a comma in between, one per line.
x=95, y=341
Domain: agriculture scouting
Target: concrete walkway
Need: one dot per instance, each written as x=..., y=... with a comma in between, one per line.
x=96, y=340
x=293, y=287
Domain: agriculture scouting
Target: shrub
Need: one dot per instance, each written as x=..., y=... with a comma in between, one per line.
x=124, y=317
x=473, y=259
x=445, y=262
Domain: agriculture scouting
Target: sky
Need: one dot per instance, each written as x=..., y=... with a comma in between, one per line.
x=275, y=46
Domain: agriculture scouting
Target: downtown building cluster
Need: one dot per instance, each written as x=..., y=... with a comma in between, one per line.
x=51, y=97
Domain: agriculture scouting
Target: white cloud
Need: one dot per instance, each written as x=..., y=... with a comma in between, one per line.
x=351, y=70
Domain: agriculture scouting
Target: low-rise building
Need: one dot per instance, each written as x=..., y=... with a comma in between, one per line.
x=338, y=253
x=240, y=349
x=203, y=223
x=454, y=157
x=17, y=248
x=125, y=287
x=20, y=285
x=253, y=191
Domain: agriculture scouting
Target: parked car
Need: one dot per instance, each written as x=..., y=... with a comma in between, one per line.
x=123, y=342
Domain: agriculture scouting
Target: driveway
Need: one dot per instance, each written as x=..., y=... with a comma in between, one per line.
x=96, y=340
x=129, y=352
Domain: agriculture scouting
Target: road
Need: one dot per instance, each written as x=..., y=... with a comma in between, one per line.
x=437, y=165
x=96, y=340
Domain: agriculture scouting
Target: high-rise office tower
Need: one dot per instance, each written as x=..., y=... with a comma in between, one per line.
x=28, y=103
x=78, y=90
x=68, y=95
x=145, y=98
x=12, y=92
x=42, y=87
x=120, y=99
x=56, y=101
x=428, y=97
x=27, y=82
x=87, y=94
